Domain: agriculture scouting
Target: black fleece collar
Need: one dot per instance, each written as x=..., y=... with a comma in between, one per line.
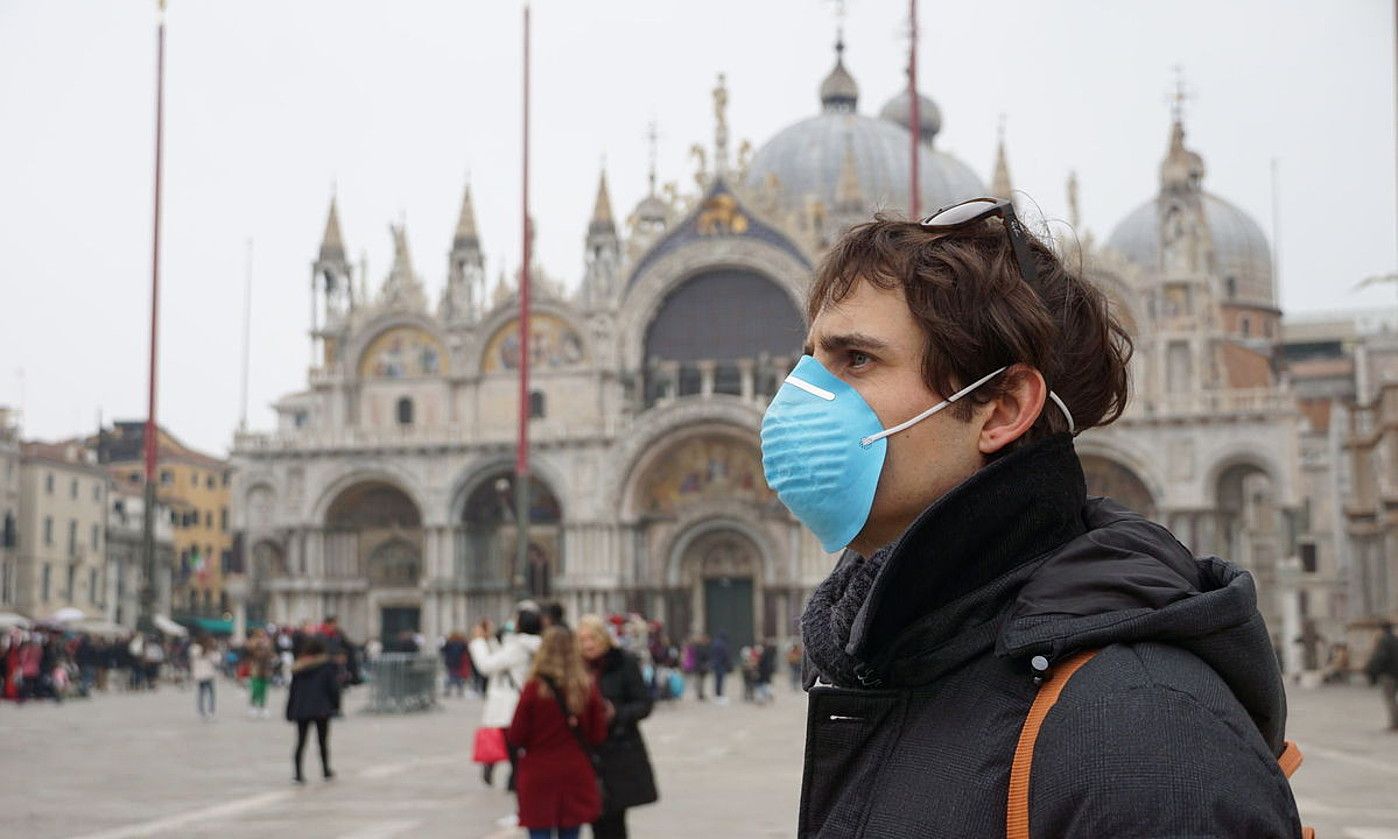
x=1006, y=515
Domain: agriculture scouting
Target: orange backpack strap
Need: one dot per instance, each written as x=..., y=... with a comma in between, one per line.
x=1290, y=759
x=1017, y=815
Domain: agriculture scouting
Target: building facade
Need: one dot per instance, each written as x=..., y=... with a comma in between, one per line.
x=10, y=483
x=126, y=554
x=194, y=488
x=62, y=522
x=384, y=494
x=1371, y=505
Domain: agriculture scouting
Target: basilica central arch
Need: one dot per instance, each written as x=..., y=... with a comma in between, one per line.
x=486, y=543
x=373, y=548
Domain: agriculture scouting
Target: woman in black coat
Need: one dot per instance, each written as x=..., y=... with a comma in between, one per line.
x=314, y=697
x=627, y=779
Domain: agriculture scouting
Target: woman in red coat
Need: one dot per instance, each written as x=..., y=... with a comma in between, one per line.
x=557, y=785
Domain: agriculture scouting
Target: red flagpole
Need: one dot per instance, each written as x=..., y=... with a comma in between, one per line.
x=522, y=450
x=914, y=117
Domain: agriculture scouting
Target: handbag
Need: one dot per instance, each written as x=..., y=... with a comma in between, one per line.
x=489, y=746
x=571, y=720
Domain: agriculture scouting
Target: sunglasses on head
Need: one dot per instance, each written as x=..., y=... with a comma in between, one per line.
x=977, y=210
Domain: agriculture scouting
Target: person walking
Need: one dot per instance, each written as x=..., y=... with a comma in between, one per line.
x=793, y=665
x=453, y=656
x=624, y=765
x=1383, y=670
x=505, y=665
x=696, y=662
x=559, y=719
x=203, y=668
x=261, y=660
x=720, y=662
x=766, y=668
x=926, y=438
x=314, y=697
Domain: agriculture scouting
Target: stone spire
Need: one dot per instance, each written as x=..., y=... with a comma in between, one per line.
x=1000, y=185
x=603, y=256
x=602, y=222
x=465, y=291
x=331, y=279
x=466, y=235
x=332, y=244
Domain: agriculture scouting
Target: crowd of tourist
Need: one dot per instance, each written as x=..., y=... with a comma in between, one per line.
x=561, y=705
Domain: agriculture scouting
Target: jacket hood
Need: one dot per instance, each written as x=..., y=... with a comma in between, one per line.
x=1020, y=561
x=1128, y=580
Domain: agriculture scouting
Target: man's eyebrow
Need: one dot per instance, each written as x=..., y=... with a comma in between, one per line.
x=852, y=340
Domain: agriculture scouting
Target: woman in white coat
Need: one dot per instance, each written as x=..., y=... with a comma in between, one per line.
x=505, y=664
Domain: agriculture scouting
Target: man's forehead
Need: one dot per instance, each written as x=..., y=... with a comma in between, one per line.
x=868, y=315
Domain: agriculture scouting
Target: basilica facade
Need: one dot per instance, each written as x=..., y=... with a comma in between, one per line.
x=385, y=493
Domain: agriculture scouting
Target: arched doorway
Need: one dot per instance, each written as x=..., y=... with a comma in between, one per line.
x=487, y=540
x=1106, y=477
x=373, y=548
x=720, y=586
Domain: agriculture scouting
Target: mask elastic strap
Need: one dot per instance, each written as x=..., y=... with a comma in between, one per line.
x=904, y=426
x=1072, y=428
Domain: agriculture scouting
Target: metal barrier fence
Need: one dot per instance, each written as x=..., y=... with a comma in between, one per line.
x=402, y=682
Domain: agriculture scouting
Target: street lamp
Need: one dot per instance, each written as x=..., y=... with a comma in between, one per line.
x=510, y=512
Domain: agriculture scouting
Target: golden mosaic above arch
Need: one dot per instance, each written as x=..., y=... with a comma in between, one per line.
x=554, y=343
x=705, y=468
x=403, y=352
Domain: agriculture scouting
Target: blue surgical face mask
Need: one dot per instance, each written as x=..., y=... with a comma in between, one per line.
x=823, y=449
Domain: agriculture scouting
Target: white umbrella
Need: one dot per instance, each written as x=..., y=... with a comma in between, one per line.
x=66, y=614
x=169, y=627
x=10, y=619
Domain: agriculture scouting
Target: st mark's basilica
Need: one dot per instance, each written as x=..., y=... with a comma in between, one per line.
x=384, y=495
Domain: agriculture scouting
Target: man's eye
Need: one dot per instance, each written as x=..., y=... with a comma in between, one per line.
x=858, y=359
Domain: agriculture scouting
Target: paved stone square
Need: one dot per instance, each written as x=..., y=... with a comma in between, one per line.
x=144, y=765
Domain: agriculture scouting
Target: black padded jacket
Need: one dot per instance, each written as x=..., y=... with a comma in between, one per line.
x=1173, y=729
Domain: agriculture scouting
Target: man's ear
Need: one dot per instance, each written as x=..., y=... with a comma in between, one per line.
x=1011, y=414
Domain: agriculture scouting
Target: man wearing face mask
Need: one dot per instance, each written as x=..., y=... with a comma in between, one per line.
x=928, y=433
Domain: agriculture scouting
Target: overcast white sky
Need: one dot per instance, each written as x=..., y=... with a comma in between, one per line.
x=270, y=102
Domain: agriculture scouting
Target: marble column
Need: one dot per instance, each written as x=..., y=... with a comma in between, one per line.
x=706, y=377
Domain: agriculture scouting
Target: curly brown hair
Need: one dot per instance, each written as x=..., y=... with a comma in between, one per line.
x=966, y=293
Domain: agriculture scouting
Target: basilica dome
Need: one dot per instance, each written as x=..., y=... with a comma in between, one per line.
x=806, y=158
x=898, y=111
x=1242, y=256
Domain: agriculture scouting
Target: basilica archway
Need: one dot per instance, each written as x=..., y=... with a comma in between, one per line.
x=719, y=587
x=487, y=540
x=1107, y=477
x=373, y=543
